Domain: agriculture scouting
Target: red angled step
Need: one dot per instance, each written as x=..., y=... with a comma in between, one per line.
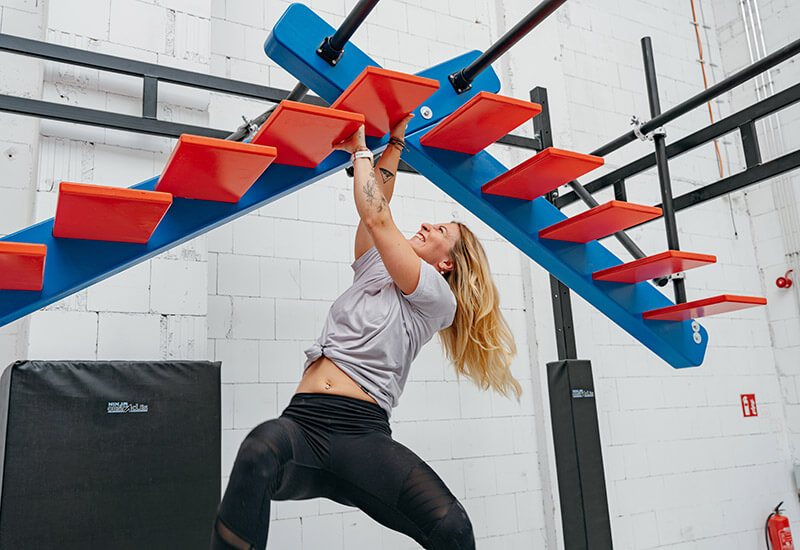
x=704, y=308
x=542, y=173
x=480, y=122
x=304, y=134
x=21, y=266
x=102, y=213
x=653, y=267
x=600, y=222
x=384, y=97
x=213, y=169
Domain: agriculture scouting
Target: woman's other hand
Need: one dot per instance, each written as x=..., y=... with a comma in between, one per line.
x=354, y=143
x=399, y=129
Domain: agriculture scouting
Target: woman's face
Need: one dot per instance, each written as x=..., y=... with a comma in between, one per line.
x=433, y=242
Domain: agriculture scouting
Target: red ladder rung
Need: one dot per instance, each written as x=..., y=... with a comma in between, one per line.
x=101, y=213
x=213, y=169
x=480, y=122
x=703, y=308
x=653, y=267
x=384, y=97
x=22, y=266
x=600, y=222
x=305, y=134
x=542, y=173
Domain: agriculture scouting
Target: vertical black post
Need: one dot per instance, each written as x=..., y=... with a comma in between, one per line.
x=752, y=151
x=150, y=97
x=562, y=308
x=662, y=163
x=576, y=435
x=620, y=193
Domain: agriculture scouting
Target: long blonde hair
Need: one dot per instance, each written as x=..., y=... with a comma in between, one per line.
x=479, y=342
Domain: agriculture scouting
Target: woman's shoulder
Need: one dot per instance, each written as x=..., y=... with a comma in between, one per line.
x=433, y=297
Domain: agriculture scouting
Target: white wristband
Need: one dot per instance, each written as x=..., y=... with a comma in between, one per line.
x=362, y=155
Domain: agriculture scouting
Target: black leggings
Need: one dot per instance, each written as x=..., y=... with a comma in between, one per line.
x=340, y=448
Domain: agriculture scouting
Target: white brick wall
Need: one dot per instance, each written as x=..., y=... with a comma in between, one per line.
x=683, y=468
x=19, y=147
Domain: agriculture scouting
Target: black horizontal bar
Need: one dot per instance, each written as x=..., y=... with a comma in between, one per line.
x=706, y=95
x=767, y=170
x=522, y=142
x=736, y=182
x=105, y=119
x=94, y=60
x=761, y=109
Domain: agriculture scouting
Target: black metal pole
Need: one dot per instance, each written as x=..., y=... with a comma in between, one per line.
x=562, y=307
x=703, y=97
x=462, y=80
x=585, y=520
x=332, y=47
x=662, y=162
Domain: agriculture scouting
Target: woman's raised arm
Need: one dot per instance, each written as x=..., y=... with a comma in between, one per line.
x=400, y=260
x=385, y=172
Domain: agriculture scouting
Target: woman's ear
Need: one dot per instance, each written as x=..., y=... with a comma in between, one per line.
x=445, y=266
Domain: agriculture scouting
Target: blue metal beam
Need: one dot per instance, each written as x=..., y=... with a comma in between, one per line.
x=461, y=176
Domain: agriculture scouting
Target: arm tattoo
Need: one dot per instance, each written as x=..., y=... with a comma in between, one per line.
x=371, y=193
x=386, y=175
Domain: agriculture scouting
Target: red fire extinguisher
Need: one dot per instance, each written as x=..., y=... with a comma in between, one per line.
x=777, y=532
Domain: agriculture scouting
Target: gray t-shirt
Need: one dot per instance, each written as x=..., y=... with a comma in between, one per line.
x=373, y=331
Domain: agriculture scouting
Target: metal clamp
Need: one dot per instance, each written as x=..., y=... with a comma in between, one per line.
x=327, y=52
x=637, y=125
x=251, y=126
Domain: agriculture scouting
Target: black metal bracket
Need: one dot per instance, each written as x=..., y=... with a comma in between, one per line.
x=462, y=79
x=330, y=54
x=459, y=82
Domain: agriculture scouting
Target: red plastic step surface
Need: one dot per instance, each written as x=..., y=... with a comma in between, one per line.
x=599, y=222
x=652, y=267
x=101, y=213
x=304, y=134
x=542, y=173
x=21, y=266
x=704, y=308
x=480, y=122
x=213, y=169
x=384, y=97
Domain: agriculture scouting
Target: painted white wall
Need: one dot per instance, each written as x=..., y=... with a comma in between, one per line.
x=684, y=469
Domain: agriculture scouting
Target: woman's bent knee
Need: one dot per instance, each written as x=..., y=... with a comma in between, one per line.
x=453, y=531
x=263, y=451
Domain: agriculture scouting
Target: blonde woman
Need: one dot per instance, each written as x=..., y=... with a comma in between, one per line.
x=334, y=440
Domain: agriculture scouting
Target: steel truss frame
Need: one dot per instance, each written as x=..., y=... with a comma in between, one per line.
x=151, y=74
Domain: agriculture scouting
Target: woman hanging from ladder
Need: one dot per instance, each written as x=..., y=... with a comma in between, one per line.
x=334, y=440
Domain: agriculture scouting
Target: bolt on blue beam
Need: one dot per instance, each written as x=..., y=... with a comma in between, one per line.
x=292, y=45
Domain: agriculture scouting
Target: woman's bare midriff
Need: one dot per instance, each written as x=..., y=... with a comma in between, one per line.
x=323, y=376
